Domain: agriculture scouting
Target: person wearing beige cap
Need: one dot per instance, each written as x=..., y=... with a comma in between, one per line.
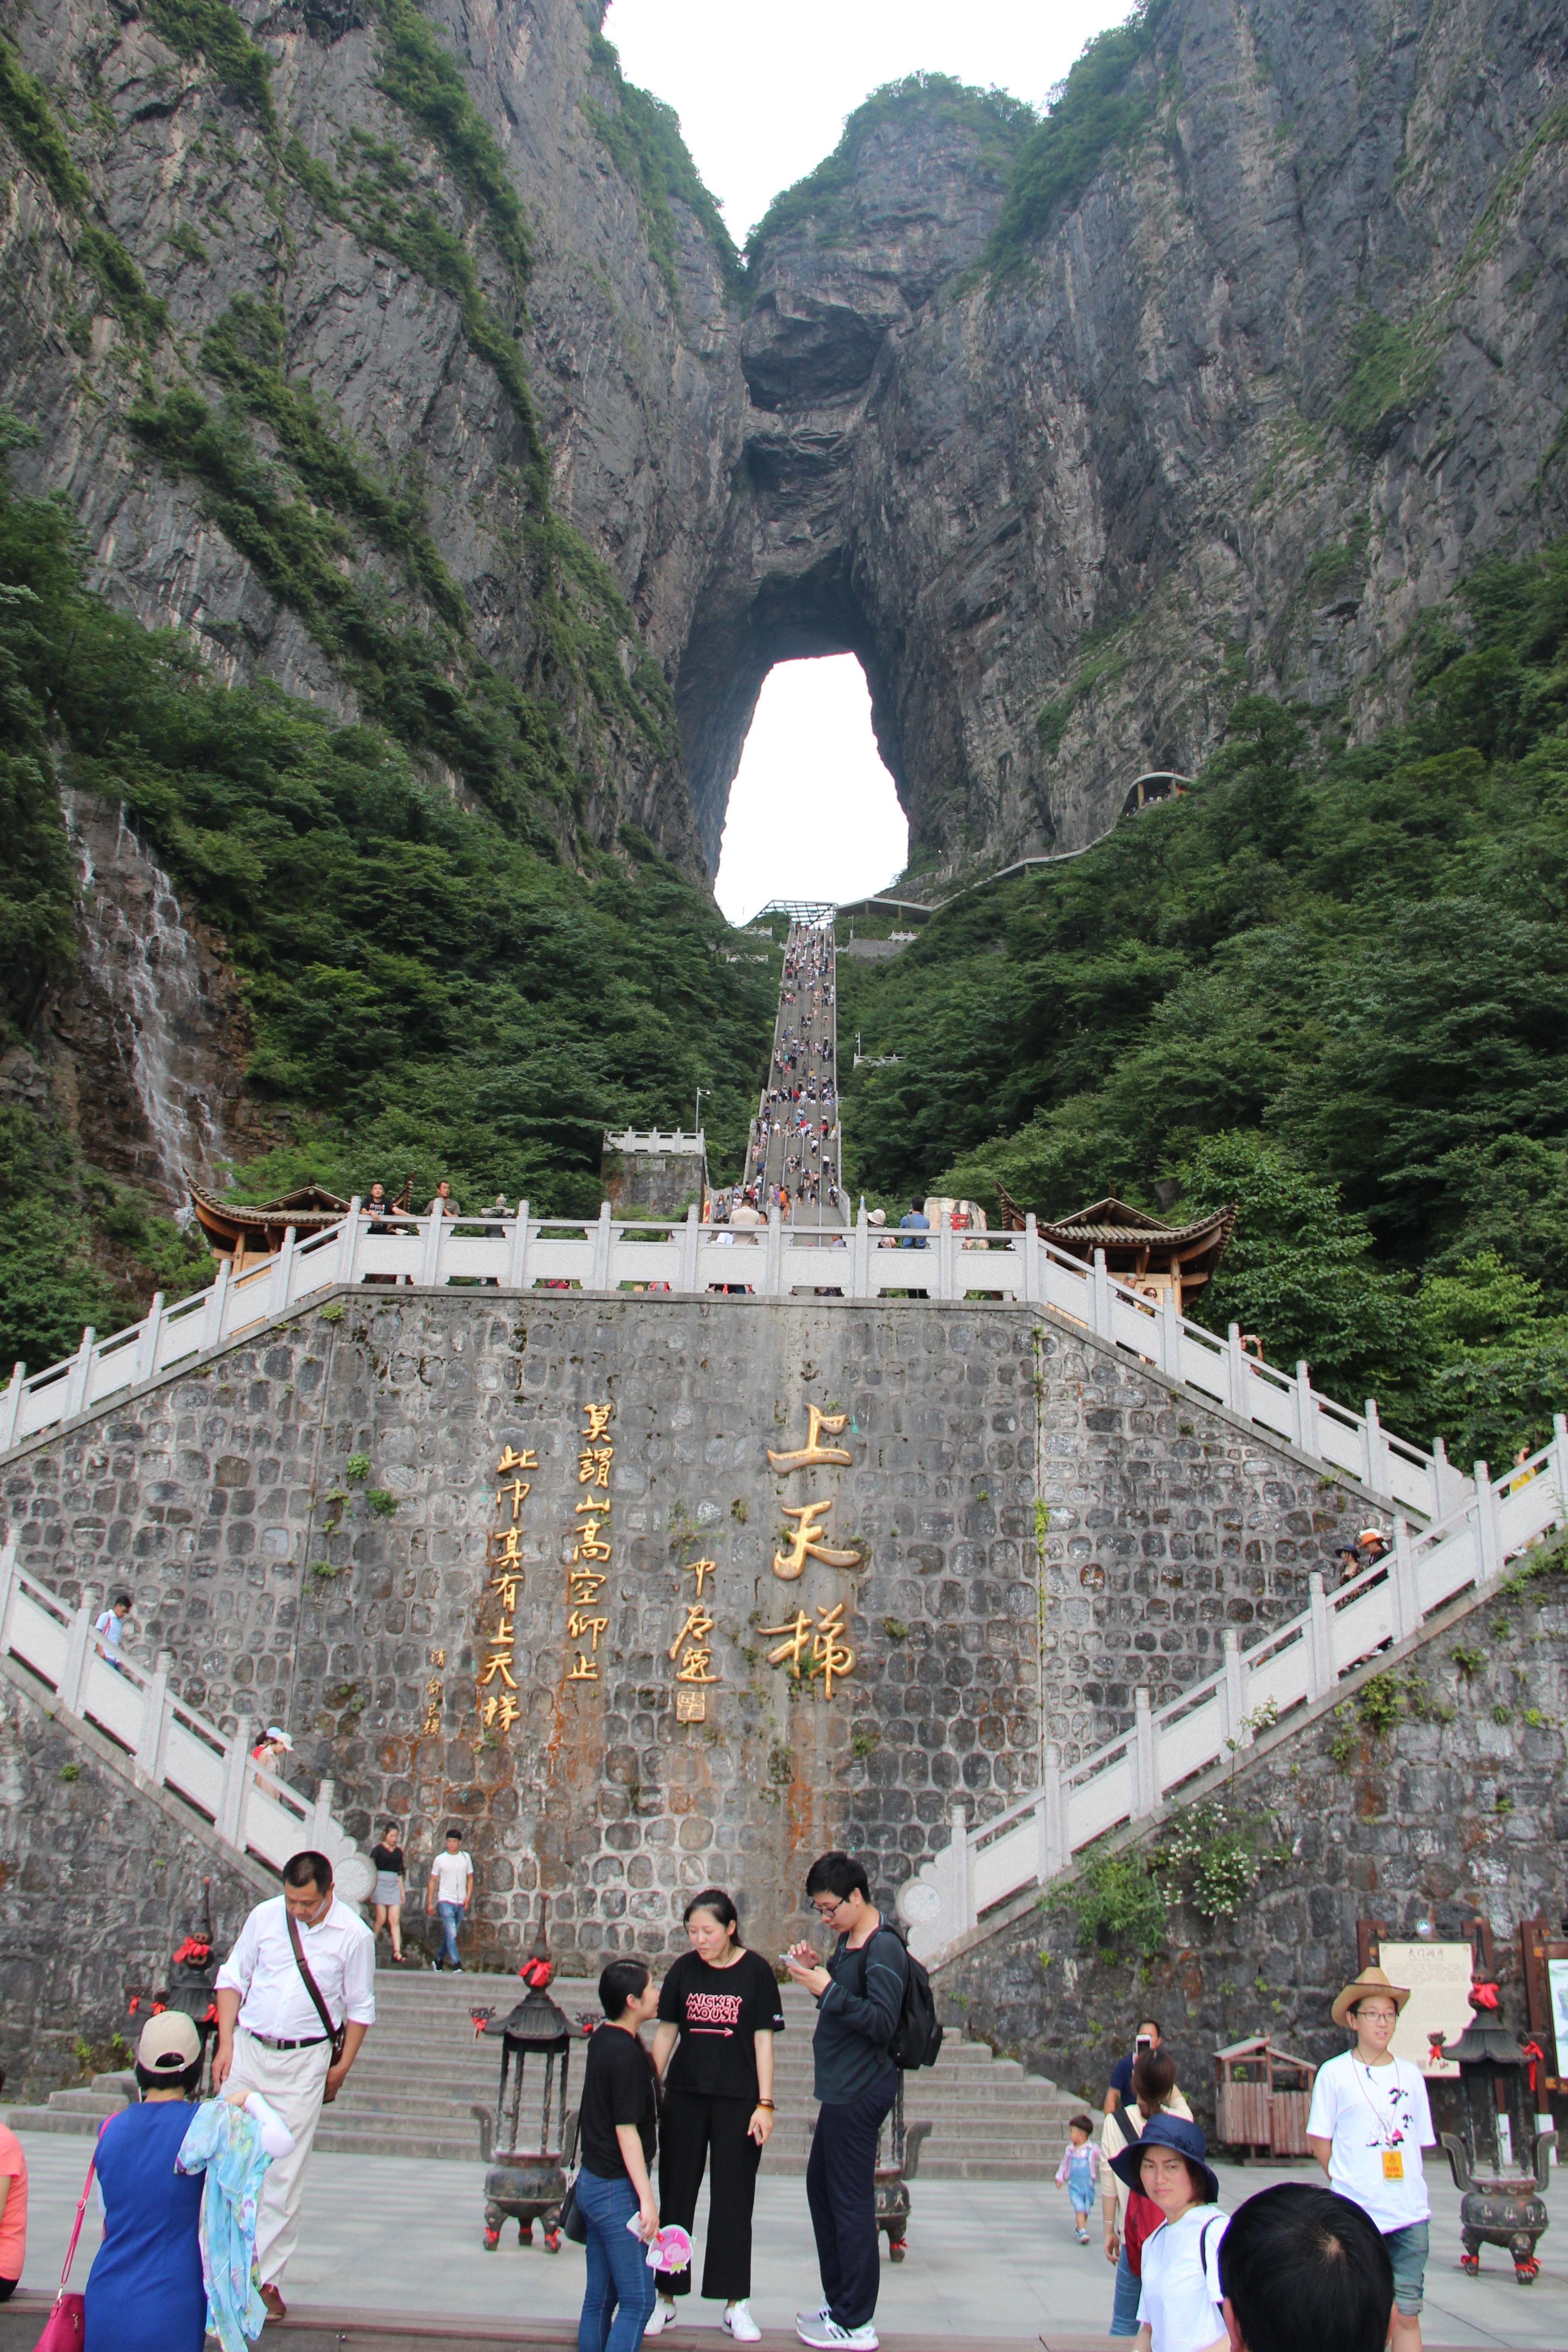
x=1369, y=2121
x=145, y=2291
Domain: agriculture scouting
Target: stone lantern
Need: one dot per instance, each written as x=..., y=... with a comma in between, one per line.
x=1501, y=2203
x=525, y=2184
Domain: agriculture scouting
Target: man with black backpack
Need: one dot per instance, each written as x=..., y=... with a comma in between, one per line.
x=867, y=2026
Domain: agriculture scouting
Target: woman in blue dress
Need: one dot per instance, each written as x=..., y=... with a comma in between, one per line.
x=144, y=2292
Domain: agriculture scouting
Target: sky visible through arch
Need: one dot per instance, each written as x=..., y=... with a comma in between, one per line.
x=762, y=93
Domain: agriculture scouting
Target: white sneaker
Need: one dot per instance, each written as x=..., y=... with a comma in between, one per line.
x=809, y=2318
x=736, y=2320
x=827, y=2335
x=663, y=2315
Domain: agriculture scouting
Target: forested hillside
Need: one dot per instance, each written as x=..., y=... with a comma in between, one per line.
x=429, y=994
x=1332, y=983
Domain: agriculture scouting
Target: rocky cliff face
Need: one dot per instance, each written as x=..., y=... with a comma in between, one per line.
x=1287, y=368
x=1279, y=366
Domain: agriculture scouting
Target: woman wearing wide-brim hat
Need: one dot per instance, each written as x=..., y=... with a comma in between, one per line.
x=1180, y=2300
x=1369, y=2121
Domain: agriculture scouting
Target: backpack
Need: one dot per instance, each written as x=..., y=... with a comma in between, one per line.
x=917, y=2037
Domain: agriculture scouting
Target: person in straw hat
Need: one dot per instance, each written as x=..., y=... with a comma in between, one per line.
x=1368, y=2124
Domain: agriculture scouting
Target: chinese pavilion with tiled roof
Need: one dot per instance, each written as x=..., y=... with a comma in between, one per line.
x=1139, y=1250
x=240, y=1231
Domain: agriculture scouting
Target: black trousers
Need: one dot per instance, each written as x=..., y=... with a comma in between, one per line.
x=689, y=2128
x=841, y=2190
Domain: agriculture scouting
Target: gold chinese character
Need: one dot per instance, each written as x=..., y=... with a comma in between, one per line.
x=594, y=1507
x=511, y=1461
x=817, y=1421
x=439, y=1658
x=577, y=1625
x=510, y=1552
x=505, y=1584
x=597, y=1417
x=433, y=1689
x=500, y=1713
x=690, y=1705
x=697, y=1626
x=593, y=1466
x=586, y=1670
x=590, y=1544
x=797, y=1636
x=582, y=1586
x=806, y=1540
x=519, y=1490
x=432, y=1722
x=700, y=1569
x=694, y=1665
x=498, y=1663
x=829, y=1649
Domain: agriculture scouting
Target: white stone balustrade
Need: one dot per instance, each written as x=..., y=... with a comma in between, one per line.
x=159, y=1741
x=1169, y=1745
x=776, y=1261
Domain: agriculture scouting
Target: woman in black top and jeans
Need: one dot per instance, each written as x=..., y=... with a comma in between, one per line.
x=718, y=2013
x=618, y=2121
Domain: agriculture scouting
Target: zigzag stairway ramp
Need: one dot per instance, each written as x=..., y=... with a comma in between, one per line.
x=607, y=1255
x=1030, y=1840
x=149, y=1733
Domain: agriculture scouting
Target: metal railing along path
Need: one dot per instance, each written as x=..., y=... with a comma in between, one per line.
x=1028, y=1842
x=155, y=1738
x=777, y=1261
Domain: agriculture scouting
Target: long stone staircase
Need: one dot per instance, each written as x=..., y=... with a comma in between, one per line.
x=423, y=2067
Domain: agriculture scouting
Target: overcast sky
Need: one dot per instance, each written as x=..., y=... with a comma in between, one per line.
x=762, y=93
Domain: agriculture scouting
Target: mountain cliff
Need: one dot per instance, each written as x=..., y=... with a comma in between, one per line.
x=394, y=357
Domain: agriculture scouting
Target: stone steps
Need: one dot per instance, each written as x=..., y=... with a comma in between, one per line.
x=78, y=2110
x=423, y=2067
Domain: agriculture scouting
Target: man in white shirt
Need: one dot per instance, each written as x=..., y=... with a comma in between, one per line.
x=272, y=2033
x=1369, y=2121
x=451, y=1884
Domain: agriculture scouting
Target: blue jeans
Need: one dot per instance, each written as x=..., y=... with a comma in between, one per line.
x=1125, y=2308
x=451, y=1920
x=619, y=2282
x=1408, y=2250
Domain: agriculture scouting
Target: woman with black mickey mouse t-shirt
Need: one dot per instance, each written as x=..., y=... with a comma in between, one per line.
x=719, y=2009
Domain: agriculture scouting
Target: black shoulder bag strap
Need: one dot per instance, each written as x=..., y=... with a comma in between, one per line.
x=1119, y=2116
x=336, y=2035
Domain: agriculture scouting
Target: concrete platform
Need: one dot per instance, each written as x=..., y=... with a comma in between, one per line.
x=390, y=2255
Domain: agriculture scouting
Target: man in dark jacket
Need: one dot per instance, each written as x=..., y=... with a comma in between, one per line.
x=859, y=1998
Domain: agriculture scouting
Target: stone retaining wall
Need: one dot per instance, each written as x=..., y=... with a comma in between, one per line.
x=1006, y=1473
x=1433, y=1789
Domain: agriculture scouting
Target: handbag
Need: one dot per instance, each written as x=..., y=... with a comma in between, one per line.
x=336, y=2035
x=573, y=2222
x=65, y=2330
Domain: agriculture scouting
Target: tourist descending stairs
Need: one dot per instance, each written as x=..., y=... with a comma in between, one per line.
x=796, y=1144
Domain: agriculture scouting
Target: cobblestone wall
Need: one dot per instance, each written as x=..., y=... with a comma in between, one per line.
x=1435, y=1790
x=315, y=1523
x=99, y=1883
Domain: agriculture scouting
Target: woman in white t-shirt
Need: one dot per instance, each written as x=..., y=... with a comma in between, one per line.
x=1369, y=2121
x=1180, y=2303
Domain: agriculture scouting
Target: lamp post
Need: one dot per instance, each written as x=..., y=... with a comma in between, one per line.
x=700, y=1092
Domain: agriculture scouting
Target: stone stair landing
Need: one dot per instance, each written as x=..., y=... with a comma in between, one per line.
x=423, y=2067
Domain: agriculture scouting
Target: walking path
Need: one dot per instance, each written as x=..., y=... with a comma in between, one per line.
x=788, y=1146
x=989, y=2262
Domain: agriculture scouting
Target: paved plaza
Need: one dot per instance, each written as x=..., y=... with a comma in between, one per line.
x=991, y=2261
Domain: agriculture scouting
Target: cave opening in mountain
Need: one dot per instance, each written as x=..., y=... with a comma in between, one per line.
x=813, y=812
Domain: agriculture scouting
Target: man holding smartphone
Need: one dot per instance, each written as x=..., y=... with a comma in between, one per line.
x=1120, y=2091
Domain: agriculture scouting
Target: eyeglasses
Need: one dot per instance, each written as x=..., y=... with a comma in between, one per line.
x=826, y=1910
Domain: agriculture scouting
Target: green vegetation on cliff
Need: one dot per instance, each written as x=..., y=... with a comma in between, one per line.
x=1331, y=984
x=1102, y=107
x=429, y=994
x=642, y=137
x=1001, y=123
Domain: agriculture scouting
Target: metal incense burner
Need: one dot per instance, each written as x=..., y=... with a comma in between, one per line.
x=525, y=2184
x=1500, y=2203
